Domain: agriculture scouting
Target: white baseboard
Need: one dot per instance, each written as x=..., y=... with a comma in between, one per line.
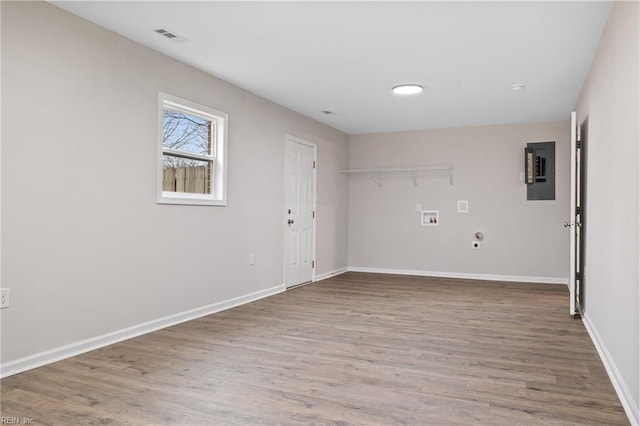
x=47, y=357
x=330, y=274
x=464, y=275
x=629, y=405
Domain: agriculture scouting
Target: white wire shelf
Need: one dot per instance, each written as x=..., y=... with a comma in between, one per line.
x=414, y=173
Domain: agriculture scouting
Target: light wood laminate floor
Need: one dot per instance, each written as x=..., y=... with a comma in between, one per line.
x=354, y=349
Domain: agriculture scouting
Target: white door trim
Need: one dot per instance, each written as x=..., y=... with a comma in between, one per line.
x=295, y=139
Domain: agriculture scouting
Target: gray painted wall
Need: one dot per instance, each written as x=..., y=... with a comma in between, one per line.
x=610, y=100
x=522, y=238
x=85, y=248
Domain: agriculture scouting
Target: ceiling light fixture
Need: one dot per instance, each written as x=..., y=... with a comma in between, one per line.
x=407, y=89
x=517, y=87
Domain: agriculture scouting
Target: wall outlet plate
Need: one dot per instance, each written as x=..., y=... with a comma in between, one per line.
x=5, y=298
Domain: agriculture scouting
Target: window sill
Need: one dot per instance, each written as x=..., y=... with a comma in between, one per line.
x=189, y=199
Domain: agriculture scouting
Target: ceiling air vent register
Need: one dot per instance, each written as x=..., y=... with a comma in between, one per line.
x=176, y=38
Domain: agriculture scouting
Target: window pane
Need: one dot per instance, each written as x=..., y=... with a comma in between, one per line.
x=186, y=175
x=186, y=132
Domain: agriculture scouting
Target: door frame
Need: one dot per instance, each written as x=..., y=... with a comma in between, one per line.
x=577, y=208
x=294, y=139
x=572, y=215
x=583, y=136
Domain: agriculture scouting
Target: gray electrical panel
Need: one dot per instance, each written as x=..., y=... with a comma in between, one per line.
x=540, y=170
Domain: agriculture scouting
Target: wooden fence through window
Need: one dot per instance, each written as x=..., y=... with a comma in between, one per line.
x=191, y=179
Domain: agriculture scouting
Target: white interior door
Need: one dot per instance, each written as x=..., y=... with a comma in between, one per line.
x=299, y=211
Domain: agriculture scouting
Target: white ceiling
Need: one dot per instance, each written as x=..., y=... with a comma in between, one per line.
x=346, y=56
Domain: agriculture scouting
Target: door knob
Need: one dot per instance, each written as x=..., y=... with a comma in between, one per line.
x=290, y=221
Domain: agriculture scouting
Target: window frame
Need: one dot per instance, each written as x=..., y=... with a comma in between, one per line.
x=218, y=177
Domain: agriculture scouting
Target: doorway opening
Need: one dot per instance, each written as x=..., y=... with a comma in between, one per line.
x=577, y=219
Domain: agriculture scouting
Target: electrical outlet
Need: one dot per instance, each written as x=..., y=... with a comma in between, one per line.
x=252, y=259
x=5, y=298
x=418, y=207
x=475, y=245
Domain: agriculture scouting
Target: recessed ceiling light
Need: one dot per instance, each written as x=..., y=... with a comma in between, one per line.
x=517, y=87
x=407, y=89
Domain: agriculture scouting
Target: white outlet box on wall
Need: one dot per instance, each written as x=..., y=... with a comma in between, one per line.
x=5, y=297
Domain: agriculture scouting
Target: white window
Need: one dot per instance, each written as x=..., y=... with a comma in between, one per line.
x=192, y=162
